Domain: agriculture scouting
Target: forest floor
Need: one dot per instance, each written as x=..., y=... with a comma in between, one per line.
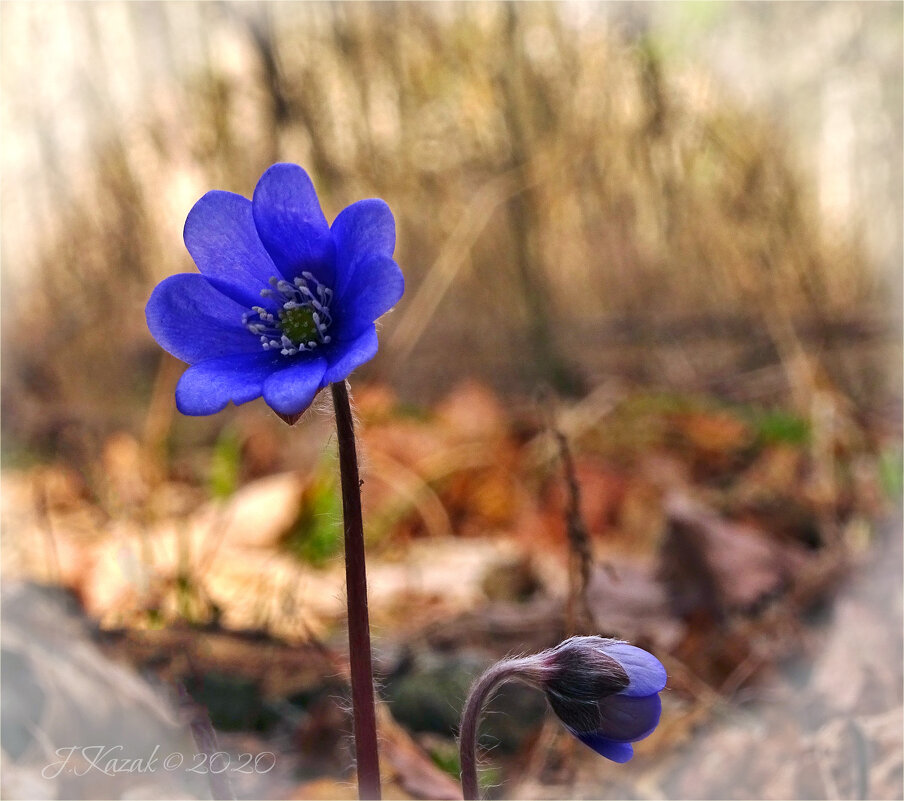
x=755, y=551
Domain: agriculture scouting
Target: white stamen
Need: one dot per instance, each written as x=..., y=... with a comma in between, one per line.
x=304, y=292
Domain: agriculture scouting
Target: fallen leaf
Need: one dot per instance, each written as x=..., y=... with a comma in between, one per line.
x=720, y=566
x=408, y=765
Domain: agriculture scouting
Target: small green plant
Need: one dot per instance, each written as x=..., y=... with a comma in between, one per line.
x=445, y=756
x=315, y=536
x=891, y=473
x=777, y=426
x=225, y=464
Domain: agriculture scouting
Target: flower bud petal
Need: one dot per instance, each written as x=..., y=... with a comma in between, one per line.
x=645, y=671
x=617, y=752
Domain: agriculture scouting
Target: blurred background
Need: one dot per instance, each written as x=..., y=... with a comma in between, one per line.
x=645, y=381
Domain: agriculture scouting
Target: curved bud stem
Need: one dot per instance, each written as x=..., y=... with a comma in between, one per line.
x=365, y=722
x=605, y=692
x=523, y=669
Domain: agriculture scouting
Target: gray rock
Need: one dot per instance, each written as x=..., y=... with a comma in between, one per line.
x=75, y=724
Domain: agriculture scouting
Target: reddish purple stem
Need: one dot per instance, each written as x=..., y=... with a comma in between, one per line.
x=365, y=721
x=481, y=691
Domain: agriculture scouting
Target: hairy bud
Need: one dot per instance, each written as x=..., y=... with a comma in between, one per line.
x=606, y=692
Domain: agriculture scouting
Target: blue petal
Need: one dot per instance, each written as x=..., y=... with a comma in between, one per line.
x=193, y=321
x=645, y=672
x=617, y=752
x=221, y=237
x=291, y=390
x=291, y=224
x=206, y=387
x=362, y=230
x=350, y=355
x=626, y=719
x=374, y=289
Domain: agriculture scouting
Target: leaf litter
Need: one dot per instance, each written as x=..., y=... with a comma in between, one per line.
x=717, y=536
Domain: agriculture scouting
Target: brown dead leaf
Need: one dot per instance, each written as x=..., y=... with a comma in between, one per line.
x=712, y=564
x=405, y=441
x=715, y=441
x=714, y=432
x=771, y=495
x=778, y=470
x=626, y=600
x=260, y=512
x=262, y=448
x=405, y=763
x=325, y=789
x=59, y=487
x=123, y=464
x=602, y=494
x=375, y=402
x=480, y=500
x=471, y=411
x=622, y=512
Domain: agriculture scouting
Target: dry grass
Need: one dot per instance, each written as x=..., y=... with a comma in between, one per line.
x=569, y=206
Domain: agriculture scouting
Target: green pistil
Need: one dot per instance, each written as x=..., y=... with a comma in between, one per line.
x=298, y=324
x=302, y=321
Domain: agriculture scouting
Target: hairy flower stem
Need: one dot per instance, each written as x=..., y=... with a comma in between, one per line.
x=365, y=722
x=481, y=691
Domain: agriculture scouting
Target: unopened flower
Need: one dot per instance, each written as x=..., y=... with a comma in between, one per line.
x=606, y=692
x=285, y=304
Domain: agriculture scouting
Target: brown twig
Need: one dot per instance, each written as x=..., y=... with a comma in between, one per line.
x=42, y=506
x=580, y=555
x=205, y=738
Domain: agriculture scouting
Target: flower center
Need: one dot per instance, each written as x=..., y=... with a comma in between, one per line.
x=302, y=321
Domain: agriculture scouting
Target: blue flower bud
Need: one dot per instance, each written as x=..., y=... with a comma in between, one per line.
x=606, y=692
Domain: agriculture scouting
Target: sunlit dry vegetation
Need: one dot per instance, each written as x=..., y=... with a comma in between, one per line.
x=628, y=328
x=567, y=207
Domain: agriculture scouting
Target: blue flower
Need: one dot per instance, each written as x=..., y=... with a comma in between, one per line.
x=606, y=692
x=284, y=304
